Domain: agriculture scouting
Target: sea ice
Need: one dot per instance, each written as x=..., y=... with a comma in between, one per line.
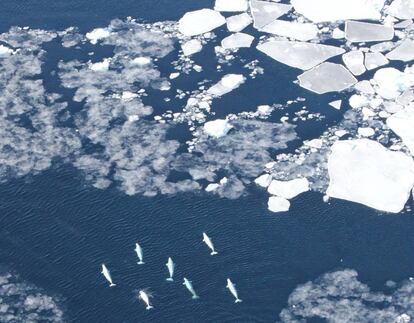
x=227, y=84
x=391, y=82
x=333, y=10
x=97, y=34
x=100, y=66
x=237, y=40
x=231, y=5
x=375, y=60
x=366, y=172
x=212, y=187
x=402, y=123
x=354, y=61
x=278, y=204
x=356, y=31
x=141, y=61
x=402, y=9
x=238, y=22
x=5, y=51
x=217, y=128
x=200, y=21
x=404, y=52
x=336, y=104
x=366, y=132
x=299, y=54
x=296, y=30
x=327, y=77
x=263, y=180
x=191, y=47
x=264, y=12
x=288, y=189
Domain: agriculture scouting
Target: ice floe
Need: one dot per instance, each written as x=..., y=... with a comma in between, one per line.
x=357, y=31
x=402, y=123
x=354, y=61
x=404, y=52
x=299, y=54
x=334, y=10
x=191, y=47
x=366, y=172
x=100, y=66
x=336, y=104
x=278, y=204
x=238, y=22
x=97, y=34
x=264, y=12
x=264, y=180
x=288, y=189
x=231, y=5
x=217, y=128
x=402, y=9
x=296, y=30
x=200, y=21
x=375, y=60
x=227, y=84
x=327, y=77
x=5, y=51
x=391, y=82
x=237, y=40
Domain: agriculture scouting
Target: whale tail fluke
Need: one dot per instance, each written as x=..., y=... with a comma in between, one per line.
x=170, y=279
x=140, y=262
x=149, y=307
x=238, y=300
x=112, y=285
x=195, y=297
x=214, y=253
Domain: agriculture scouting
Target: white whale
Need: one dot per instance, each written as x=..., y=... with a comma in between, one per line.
x=145, y=298
x=107, y=275
x=232, y=289
x=190, y=288
x=170, y=265
x=208, y=242
x=140, y=255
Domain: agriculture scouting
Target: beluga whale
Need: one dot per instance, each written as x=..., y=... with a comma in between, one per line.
x=232, y=289
x=170, y=265
x=207, y=241
x=190, y=288
x=140, y=255
x=145, y=298
x=107, y=275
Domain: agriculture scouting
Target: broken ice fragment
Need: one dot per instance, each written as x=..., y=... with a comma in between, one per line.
x=375, y=60
x=404, y=52
x=265, y=12
x=354, y=61
x=299, y=54
x=191, y=47
x=296, y=30
x=263, y=180
x=227, y=84
x=356, y=31
x=288, y=189
x=278, y=204
x=97, y=34
x=231, y=5
x=200, y=21
x=391, y=82
x=238, y=22
x=366, y=132
x=336, y=104
x=402, y=9
x=365, y=172
x=217, y=128
x=327, y=77
x=100, y=66
x=237, y=40
x=402, y=123
x=5, y=51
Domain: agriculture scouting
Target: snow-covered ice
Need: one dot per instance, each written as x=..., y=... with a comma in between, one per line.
x=299, y=54
x=238, y=22
x=327, y=77
x=278, y=204
x=402, y=123
x=97, y=34
x=366, y=132
x=264, y=180
x=5, y=51
x=364, y=171
x=296, y=30
x=354, y=61
x=237, y=40
x=402, y=9
x=227, y=84
x=392, y=83
x=231, y=5
x=191, y=47
x=100, y=66
x=141, y=61
x=356, y=31
x=375, y=60
x=334, y=10
x=404, y=52
x=217, y=128
x=200, y=21
x=336, y=104
x=288, y=189
x=264, y=12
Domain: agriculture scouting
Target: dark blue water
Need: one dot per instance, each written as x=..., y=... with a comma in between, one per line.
x=56, y=231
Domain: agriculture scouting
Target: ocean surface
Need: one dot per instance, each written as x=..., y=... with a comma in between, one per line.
x=56, y=230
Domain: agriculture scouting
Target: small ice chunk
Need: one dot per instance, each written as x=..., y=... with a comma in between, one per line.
x=100, y=66
x=231, y=5
x=357, y=101
x=141, y=61
x=334, y=10
x=238, y=22
x=382, y=47
x=402, y=9
x=340, y=133
x=278, y=204
x=5, y=51
x=264, y=109
x=402, y=123
x=356, y=31
x=263, y=180
x=338, y=33
x=403, y=24
x=217, y=128
x=336, y=104
x=365, y=87
x=200, y=21
x=264, y=12
x=354, y=61
x=288, y=189
x=367, y=113
x=296, y=30
x=391, y=82
x=237, y=40
x=327, y=77
x=191, y=47
x=128, y=96
x=299, y=54
x=174, y=75
x=97, y=34
x=227, y=84
x=212, y=187
x=366, y=132
x=314, y=143
x=404, y=52
x=375, y=60
x=406, y=97
x=364, y=171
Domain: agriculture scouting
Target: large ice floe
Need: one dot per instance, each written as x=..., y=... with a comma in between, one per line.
x=366, y=172
x=264, y=12
x=356, y=31
x=200, y=21
x=296, y=30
